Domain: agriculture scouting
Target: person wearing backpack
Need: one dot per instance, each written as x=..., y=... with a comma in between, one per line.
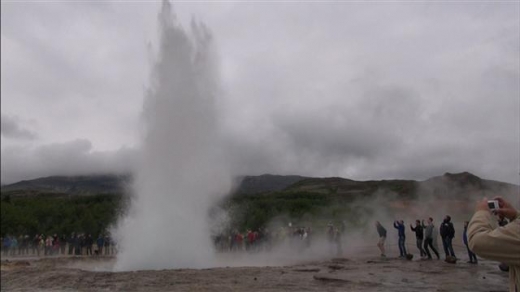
x=447, y=232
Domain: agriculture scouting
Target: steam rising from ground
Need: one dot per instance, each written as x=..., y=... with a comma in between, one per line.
x=180, y=172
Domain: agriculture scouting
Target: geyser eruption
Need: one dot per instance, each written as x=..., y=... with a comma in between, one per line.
x=167, y=222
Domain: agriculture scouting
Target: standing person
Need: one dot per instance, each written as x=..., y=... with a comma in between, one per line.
x=447, y=233
x=435, y=234
x=497, y=244
x=21, y=247
x=471, y=255
x=107, y=245
x=48, y=245
x=100, y=242
x=35, y=243
x=232, y=241
x=239, y=241
x=331, y=236
x=81, y=243
x=63, y=243
x=382, y=238
x=89, y=241
x=337, y=241
x=41, y=244
x=77, y=244
x=428, y=239
x=55, y=244
x=399, y=225
x=27, y=243
x=250, y=240
x=308, y=237
x=23, y=244
x=14, y=245
x=71, y=243
x=419, y=236
x=6, y=244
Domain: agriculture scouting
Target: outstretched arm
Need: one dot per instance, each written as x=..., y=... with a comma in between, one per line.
x=500, y=244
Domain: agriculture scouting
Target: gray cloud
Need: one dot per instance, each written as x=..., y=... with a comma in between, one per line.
x=69, y=158
x=11, y=128
x=360, y=90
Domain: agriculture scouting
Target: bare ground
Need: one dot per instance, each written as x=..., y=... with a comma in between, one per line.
x=341, y=274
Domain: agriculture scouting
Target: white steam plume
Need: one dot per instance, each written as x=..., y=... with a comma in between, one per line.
x=180, y=171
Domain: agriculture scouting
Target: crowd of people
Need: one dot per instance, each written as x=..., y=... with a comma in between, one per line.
x=425, y=238
x=40, y=244
x=492, y=233
x=296, y=237
x=262, y=239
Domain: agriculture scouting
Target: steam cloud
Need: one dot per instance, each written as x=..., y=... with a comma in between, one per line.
x=180, y=171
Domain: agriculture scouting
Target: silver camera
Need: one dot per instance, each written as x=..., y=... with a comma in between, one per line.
x=493, y=205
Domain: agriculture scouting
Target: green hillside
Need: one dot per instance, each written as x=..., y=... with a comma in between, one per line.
x=91, y=204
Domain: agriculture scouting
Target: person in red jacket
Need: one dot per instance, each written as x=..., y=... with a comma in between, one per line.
x=239, y=239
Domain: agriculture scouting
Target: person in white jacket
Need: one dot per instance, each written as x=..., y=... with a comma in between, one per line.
x=497, y=243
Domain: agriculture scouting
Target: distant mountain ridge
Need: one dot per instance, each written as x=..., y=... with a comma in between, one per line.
x=72, y=185
x=446, y=186
x=266, y=183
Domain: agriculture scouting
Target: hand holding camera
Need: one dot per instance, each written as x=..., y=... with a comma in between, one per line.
x=498, y=206
x=506, y=209
x=493, y=206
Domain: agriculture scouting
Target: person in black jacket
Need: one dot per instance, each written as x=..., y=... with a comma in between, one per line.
x=89, y=241
x=447, y=233
x=419, y=236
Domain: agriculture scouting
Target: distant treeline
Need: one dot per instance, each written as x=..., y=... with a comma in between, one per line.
x=90, y=204
x=94, y=214
x=58, y=214
x=298, y=207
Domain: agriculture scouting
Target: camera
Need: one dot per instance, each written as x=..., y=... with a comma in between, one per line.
x=493, y=205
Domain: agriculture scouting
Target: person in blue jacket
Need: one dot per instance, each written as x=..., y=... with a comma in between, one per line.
x=399, y=225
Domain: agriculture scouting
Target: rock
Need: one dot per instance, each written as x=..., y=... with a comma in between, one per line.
x=503, y=267
x=336, y=267
x=329, y=279
x=451, y=260
x=307, y=270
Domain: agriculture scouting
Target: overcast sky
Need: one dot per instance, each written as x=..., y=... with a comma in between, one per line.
x=356, y=89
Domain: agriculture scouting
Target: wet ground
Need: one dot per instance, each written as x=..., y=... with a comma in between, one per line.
x=339, y=274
